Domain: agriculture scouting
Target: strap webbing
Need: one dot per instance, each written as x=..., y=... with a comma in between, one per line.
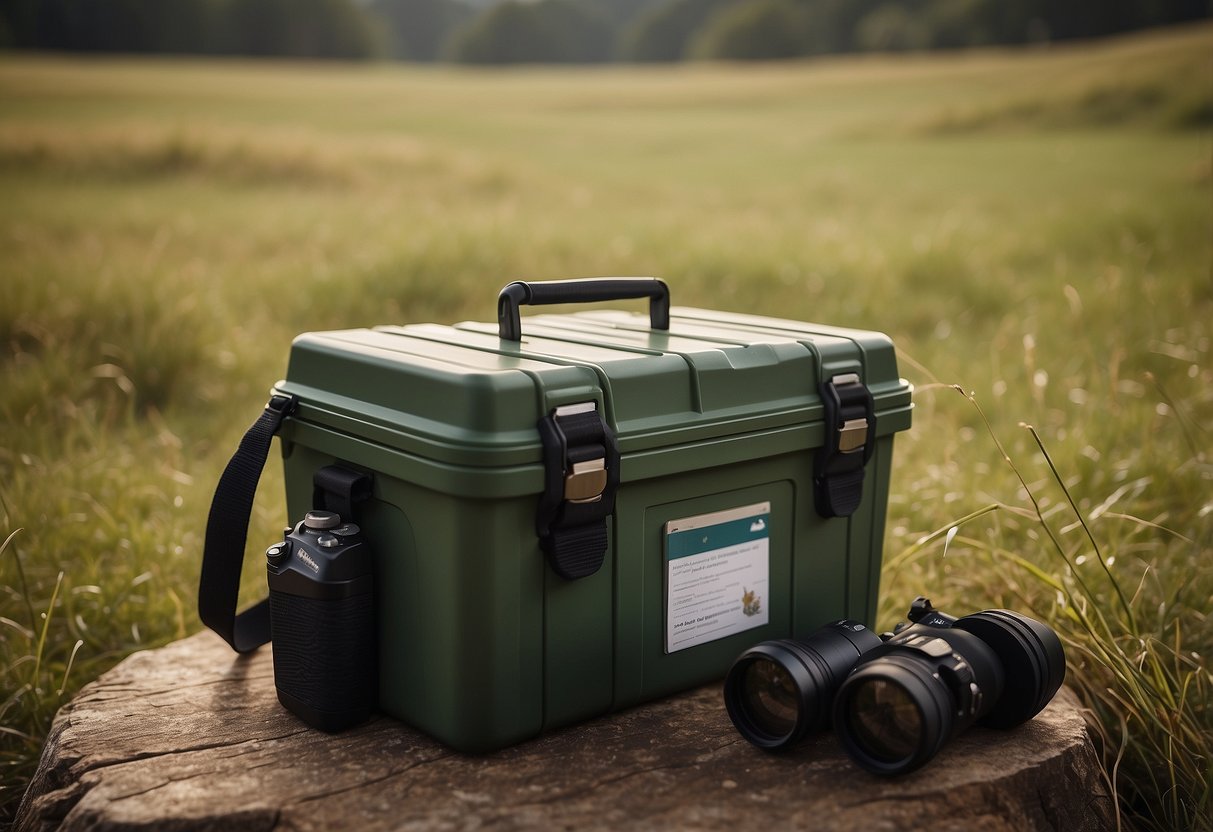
x=227, y=533
x=339, y=489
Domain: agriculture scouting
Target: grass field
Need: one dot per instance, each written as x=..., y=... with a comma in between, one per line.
x=1035, y=227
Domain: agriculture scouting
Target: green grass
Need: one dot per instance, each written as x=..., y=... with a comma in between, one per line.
x=1033, y=226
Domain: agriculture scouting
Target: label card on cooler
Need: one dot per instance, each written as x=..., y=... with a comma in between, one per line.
x=718, y=570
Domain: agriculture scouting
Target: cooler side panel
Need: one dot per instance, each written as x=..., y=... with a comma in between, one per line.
x=819, y=579
x=863, y=576
x=458, y=599
x=880, y=472
x=644, y=669
x=578, y=643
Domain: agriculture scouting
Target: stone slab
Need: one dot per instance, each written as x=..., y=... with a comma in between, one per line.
x=191, y=737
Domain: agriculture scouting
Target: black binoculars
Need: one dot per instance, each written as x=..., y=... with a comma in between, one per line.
x=895, y=699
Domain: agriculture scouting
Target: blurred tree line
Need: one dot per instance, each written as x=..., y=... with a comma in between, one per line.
x=296, y=28
x=566, y=31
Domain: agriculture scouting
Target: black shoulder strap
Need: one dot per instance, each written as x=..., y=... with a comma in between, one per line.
x=227, y=532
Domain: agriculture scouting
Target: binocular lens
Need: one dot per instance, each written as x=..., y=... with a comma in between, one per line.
x=768, y=696
x=885, y=720
x=778, y=692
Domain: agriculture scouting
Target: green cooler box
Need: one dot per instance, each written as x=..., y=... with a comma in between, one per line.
x=591, y=510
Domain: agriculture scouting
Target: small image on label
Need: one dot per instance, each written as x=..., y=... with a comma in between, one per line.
x=717, y=575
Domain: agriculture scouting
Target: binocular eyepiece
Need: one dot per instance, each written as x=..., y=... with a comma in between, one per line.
x=896, y=699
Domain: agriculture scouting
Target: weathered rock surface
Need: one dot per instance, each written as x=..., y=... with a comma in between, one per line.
x=191, y=737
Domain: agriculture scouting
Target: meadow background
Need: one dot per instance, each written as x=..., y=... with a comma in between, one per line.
x=1034, y=227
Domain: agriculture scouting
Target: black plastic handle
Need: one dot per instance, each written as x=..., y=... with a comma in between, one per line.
x=588, y=290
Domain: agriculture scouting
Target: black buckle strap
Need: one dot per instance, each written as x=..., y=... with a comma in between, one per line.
x=227, y=533
x=581, y=476
x=850, y=440
x=339, y=489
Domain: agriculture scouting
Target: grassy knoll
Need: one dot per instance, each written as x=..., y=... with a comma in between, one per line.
x=1032, y=226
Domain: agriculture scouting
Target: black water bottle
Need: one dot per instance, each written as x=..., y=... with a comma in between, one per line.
x=322, y=622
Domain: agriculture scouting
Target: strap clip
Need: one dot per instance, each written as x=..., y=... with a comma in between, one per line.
x=340, y=489
x=282, y=403
x=848, y=444
x=581, y=476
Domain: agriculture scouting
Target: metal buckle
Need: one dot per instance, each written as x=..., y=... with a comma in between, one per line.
x=852, y=436
x=586, y=482
x=579, y=407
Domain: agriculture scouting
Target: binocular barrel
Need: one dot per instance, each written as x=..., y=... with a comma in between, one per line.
x=778, y=692
x=896, y=701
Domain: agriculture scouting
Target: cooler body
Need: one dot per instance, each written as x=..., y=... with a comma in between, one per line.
x=716, y=539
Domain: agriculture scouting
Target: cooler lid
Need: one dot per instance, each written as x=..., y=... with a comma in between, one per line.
x=463, y=395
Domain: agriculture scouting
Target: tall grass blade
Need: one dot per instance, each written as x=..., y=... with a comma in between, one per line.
x=1124, y=602
x=46, y=625
x=29, y=606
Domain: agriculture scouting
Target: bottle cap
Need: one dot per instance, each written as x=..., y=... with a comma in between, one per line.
x=321, y=519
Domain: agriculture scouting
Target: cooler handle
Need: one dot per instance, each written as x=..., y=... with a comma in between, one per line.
x=588, y=290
